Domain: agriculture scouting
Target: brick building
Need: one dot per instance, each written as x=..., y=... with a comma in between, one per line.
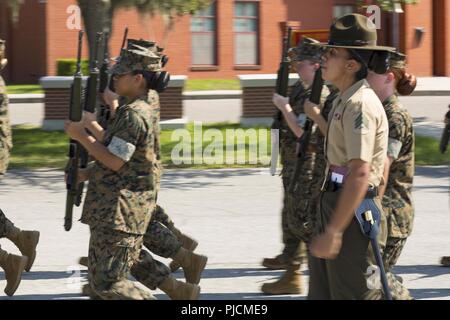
x=227, y=39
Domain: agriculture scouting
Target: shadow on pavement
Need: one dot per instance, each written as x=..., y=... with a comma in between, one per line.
x=235, y=273
x=59, y=296
x=424, y=271
x=433, y=172
x=247, y=296
x=48, y=275
x=429, y=293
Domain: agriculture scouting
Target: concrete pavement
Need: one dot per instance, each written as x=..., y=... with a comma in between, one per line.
x=235, y=216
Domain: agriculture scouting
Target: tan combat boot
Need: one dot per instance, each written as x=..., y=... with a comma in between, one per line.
x=83, y=261
x=189, y=244
x=193, y=264
x=13, y=266
x=178, y=290
x=277, y=263
x=27, y=242
x=289, y=283
x=445, y=261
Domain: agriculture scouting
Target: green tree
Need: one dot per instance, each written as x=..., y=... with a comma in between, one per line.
x=387, y=5
x=98, y=15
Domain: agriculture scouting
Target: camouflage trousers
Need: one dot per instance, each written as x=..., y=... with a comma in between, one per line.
x=112, y=253
x=296, y=205
x=398, y=290
x=394, y=247
x=4, y=157
x=5, y=225
x=148, y=271
x=162, y=241
x=293, y=251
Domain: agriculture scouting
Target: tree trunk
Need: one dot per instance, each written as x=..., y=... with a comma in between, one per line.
x=97, y=17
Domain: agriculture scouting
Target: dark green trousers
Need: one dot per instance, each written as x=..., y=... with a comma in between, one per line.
x=354, y=274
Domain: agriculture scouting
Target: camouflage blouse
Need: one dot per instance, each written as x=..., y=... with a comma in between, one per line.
x=288, y=140
x=124, y=200
x=397, y=201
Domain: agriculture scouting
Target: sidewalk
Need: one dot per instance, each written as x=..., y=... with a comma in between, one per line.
x=426, y=86
x=235, y=215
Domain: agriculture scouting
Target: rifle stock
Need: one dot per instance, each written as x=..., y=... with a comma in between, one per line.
x=75, y=115
x=282, y=83
x=93, y=81
x=281, y=88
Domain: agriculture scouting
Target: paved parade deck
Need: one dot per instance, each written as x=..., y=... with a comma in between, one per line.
x=235, y=216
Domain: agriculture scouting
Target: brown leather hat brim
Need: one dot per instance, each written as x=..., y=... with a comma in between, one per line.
x=371, y=48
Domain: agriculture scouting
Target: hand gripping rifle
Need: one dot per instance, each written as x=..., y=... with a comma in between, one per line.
x=445, y=135
x=282, y=89
x=75, y=115
x=90, y=103
x=303, y=142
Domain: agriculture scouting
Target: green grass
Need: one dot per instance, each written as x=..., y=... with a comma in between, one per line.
x=35, y=148
x=212, y=84
x=24, y=88
x=427, y=152
x=191, y=85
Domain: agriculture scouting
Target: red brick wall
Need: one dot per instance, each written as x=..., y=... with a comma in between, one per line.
x=61, y=42
x=441, y=35
x=420, y=55
x=57, y=104
x=257, y=102
x=41, y=37
x=171, y=101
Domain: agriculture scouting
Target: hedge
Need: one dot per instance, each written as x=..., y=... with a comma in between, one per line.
x=67, y=67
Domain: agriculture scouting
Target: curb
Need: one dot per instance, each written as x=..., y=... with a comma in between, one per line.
x=210, y=95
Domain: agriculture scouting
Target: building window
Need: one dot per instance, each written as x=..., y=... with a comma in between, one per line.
x=203, y=29
x=341, y=10
x=246, y=33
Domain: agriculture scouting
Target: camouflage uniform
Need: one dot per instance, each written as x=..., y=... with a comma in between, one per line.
x=304, y=198
x=5, y=128
x=6, y=226
x=307, y=225
x=294, y=251
x=118, y=205
x=397, y=201
x=5, y=139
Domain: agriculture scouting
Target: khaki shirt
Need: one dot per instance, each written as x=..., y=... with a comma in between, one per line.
x=358, y=129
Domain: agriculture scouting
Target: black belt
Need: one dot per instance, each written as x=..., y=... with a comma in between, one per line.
x=331, y=186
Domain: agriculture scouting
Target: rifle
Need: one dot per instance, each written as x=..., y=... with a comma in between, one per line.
x=124, y=40
x=445, y=135
x=303, y=142
x=90, y=103
x=75, y=115
x=104, y=112
x=125, y=36
x=282, y=85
